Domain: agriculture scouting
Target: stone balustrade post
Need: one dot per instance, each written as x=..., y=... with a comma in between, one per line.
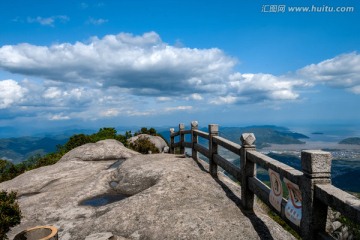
x=248, y=169
x=213, y=148
x=316, y=166
x=194, y=139
x=172, y=131
x=182, y=138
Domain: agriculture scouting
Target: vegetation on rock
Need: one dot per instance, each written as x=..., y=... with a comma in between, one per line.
x=152, y=132
x=144, y=130
x=144, y=146
x=10, y=214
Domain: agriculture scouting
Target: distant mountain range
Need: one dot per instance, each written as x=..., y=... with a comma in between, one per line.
x=21, y=148
x=265, y=135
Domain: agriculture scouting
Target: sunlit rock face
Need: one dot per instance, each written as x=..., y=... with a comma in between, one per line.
x=109, y=149
x=158, y=196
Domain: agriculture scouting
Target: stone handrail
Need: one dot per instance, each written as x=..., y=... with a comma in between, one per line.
x=310, y=190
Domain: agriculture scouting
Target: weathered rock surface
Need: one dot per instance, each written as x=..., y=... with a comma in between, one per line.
x=109, y=149
x=156, y=140
x=171, y=198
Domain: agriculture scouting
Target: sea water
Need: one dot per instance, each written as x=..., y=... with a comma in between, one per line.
x=345, y=169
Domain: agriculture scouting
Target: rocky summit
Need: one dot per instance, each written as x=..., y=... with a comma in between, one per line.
x=159, y=196
x=159, y=143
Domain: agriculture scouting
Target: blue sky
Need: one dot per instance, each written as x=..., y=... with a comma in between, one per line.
x=156, y=63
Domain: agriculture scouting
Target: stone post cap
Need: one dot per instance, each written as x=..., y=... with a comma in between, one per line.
x=181, y=126
x=194, y=124
x=247, y=139
x=213, y=128
x=172, y=130
x=316, y=161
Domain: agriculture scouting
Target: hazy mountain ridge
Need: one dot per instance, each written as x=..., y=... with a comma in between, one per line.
x=265, y=135
x=351, y=140
x=19, y=149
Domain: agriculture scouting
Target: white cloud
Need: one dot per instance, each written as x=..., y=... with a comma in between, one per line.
x=52, y=92
x=110, y=113
x=224, y=100
x=142, y=64
x=342, y=71
x=355, y=89
x=49, y=21
x=178, y=108
x=58, y=117
x=10, y=93
x=264, y=86
x=164, y=99
x=97, y=22
x=195, y=96
x=127, y=75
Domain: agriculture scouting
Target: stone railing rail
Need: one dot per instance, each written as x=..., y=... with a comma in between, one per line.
x=310, y=190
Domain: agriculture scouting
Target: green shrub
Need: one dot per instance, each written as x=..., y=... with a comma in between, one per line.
x=8, y=170
x=10, y=214
x=104, y=133
x=144, y=130
x=143, y=145
x=76, y=141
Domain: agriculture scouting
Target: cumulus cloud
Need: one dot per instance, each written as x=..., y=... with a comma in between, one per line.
x=48, y=21
x=144, y=64
x=128, y=75
x=254, y=87
x=10, y=93
x=342, y=71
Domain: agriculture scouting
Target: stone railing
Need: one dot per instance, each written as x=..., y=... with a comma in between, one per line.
x=310, y=190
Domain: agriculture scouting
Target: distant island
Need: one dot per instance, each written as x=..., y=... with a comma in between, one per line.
x=351, y=140
x=317, y=133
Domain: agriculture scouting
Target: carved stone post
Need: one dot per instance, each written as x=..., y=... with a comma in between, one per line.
x=172, y=131
x=182, y=138
x=316, y=166
x=247, y=170
x=194, y=139
x=213, y=148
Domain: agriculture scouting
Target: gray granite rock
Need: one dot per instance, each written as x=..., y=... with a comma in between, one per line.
x=159, y=143
x=109, y=149
x=169, y=197
x=100, y=236
x=103, y=236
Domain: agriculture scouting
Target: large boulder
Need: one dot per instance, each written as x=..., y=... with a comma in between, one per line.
x=157, y=196
x=108, y=149
x=159, y=143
